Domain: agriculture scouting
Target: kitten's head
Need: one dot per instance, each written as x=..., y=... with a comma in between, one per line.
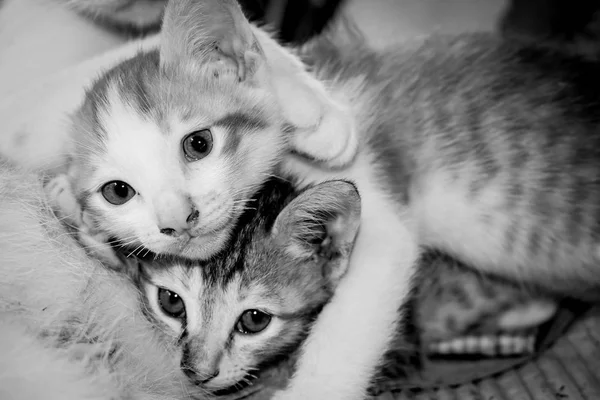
x=171, y=144
x=255, y=302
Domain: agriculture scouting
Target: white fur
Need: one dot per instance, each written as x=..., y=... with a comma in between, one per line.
x=47, y=284
x=326, y=131
x=354, y=330
x=147, y=154
x=30, y=370
x=530, y=314
x=444, y=205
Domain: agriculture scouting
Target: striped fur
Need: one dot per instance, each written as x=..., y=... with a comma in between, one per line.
x=478, y=146
x=69, y=328
x=286, y=259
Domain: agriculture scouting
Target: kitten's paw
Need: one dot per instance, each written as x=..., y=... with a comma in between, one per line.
x=333, y=142
x=527, y=315
x=62, y=200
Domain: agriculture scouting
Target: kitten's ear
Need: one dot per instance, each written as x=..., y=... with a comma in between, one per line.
x=321, y=224
x=209, y=32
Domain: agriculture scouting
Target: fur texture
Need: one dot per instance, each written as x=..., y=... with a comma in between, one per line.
x=82, y=324
x=459, y=150
x=283, y=265
x=253, y=98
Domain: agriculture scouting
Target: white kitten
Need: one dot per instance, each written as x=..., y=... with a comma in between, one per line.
x=170, y=144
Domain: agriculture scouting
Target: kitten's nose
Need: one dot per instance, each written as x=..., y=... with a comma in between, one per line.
x=175, y=214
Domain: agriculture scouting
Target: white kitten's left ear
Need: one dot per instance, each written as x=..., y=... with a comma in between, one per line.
x=321, y=224
x=209, y=32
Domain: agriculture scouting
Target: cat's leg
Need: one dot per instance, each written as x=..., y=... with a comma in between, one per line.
x=355, y=329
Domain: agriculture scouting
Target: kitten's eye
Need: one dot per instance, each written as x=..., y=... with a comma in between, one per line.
x=171, y=303
x=197, y=145
x=252, y=321
x=117, y=192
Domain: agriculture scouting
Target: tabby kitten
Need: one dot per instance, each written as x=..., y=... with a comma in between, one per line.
x=254, y=302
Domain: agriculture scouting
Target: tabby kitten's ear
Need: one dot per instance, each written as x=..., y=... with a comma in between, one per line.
x=321, y=225
x=212, y=33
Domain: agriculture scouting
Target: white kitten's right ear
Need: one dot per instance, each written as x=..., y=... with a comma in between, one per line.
x=209, y=32
x=321, y=224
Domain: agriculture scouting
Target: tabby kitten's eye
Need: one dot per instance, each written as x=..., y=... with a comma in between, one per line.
x=252, y=321
x=117, y=192
x=171, y=303
x=197, y=145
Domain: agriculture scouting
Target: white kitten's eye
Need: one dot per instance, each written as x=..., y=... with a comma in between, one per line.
x=252, y=321
x=117, y=192
x=171, y=303
x=197, y=145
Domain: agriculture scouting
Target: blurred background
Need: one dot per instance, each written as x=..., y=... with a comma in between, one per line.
x=41, y=37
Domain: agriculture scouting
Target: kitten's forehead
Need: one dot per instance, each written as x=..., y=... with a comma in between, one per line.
x=161, y=96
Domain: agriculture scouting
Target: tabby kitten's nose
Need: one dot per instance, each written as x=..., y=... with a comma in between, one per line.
x=200, y=377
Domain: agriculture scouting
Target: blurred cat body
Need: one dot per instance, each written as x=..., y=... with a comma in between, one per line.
x=471, y=144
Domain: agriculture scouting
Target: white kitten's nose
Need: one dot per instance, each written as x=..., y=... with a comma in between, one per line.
x=175, y=214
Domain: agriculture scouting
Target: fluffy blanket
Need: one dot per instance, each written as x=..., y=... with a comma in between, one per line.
x=69, y=328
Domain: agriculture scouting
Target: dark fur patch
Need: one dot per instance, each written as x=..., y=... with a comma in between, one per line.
x=239, y=124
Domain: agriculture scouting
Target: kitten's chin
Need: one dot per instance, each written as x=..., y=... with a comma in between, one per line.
x=203, y=246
